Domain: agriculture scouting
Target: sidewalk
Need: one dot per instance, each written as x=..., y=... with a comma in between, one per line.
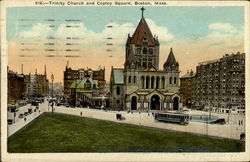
x=20, y=123
x=230, y=131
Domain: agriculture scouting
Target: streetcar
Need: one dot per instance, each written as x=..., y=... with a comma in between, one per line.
x=173, y=117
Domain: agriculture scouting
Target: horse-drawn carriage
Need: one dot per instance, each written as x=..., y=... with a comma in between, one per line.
x=120, y=117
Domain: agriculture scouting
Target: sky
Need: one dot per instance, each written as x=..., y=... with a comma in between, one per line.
x=196, y=34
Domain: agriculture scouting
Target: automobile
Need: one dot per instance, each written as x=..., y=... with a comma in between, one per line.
x=30, y=111
x=34, y=103
x=219, y=121
x=26, y=113
x=58, y=104
x=21, y=115
x=10, y=121
x=12, y=108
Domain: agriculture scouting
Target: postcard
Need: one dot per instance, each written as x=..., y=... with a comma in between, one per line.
x=124, y=81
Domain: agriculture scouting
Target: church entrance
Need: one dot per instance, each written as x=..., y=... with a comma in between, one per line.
x=176, y=103
x=155, y=102
x=134, y=103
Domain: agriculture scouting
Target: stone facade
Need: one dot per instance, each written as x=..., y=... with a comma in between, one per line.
x=145, y=86
x=220, y=84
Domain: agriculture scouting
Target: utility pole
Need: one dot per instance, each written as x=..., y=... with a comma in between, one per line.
x=52, y=79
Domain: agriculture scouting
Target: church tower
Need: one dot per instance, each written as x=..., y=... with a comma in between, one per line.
x=171, y=65
x=142, y=49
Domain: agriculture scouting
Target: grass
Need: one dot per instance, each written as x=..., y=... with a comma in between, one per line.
x=63, y=133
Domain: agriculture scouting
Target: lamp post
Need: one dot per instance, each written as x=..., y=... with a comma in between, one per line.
x=52, y=79
x=103, y=98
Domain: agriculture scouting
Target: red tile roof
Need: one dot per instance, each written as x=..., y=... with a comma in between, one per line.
x=141, y=31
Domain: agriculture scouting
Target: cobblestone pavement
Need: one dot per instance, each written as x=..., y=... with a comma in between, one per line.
x=231, y=130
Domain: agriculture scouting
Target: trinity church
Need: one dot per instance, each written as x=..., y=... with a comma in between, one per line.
x=141, y=85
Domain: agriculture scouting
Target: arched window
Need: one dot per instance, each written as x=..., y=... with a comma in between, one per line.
x=152, y=82
x=118, y=90
x=144, y=50
x=162, y=82
x=142, y=82
x=147, y=82
x=129, y=79
x=170, y=80
x=157, y=82
x=175, y=80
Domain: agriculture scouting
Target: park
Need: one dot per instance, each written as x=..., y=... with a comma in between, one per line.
x=56, y=132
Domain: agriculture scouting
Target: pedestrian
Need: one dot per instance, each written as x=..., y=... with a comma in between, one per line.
x=25, y=119
x=39, y=111
x=81, y=113
x=180, y=149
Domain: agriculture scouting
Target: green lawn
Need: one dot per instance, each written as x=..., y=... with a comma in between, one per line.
x=62, y=133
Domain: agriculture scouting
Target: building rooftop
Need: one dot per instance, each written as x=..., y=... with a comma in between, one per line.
x=118, y=76
x=79, y=83
x=188, y=75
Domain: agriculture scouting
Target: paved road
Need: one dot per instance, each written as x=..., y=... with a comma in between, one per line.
x=20, y=122
x=231, y=130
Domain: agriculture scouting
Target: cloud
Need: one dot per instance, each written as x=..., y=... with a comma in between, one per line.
x=38, y=30
x=225, y=28
x=89, y=38
x=162, y=32
x=78, y=30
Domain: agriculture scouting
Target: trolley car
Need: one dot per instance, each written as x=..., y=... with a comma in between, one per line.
x=173, y=117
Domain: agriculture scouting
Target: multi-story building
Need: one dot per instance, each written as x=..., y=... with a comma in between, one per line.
x=220, y=84
x=186, y=82
x=16, y=87
x=141, y=85
x=38, y=84
x=21, y=86
x=71, y=75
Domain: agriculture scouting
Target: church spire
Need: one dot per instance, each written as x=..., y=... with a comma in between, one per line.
x=171, y=63
x=142, y=10
x=142, y=33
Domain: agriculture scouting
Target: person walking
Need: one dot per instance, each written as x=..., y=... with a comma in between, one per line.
x=81, y=113
x=25, y=119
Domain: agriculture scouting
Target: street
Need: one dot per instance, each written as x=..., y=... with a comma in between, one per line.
x=20, y=122
x=231, y=130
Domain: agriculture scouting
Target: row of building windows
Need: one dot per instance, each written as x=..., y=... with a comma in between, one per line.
x=152, y=82
x=144, y=51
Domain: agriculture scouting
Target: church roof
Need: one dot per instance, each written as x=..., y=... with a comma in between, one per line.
x=118, y=76
x=171, y=59
x=142, y=31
